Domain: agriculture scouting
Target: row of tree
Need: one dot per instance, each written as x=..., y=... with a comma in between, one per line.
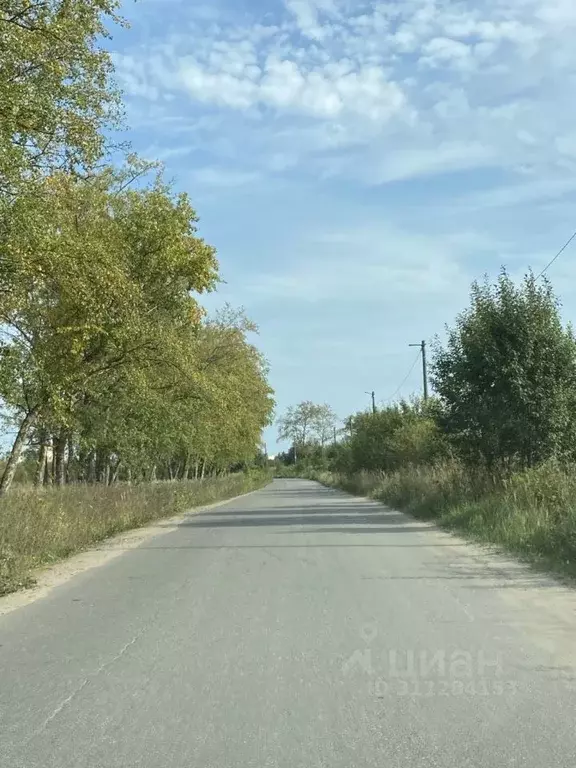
x=505, y=393
x=109, y=366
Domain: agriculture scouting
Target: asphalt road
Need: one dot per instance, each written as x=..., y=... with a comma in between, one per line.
x=295, y=628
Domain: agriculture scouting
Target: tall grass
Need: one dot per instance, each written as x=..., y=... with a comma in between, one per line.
x=41, y=527
x=532, y=513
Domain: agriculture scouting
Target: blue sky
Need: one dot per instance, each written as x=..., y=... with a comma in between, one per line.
x=358, y=164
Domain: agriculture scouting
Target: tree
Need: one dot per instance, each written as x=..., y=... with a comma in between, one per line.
x=324, y=423
x=56, y=94
x=200, y=412
x=97, y=277
x=309, y=426
x=507, y=376
x=297, y=424
x=306, y=423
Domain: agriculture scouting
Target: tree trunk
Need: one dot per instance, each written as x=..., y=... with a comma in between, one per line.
x=49, y=467
x=196, y=467
x=153, y=474
x=203, y=469
x=91, y=474
x=52, y=467
x=16, y=452
x=116, y=472
x=42, y=458
x=41, y=466
x=71, y=458
x=102, y=467
x=60, y=457
x=82, y=467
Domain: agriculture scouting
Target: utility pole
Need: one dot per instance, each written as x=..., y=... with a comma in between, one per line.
x=373, y=395
x=350, y=425
x=422, y=346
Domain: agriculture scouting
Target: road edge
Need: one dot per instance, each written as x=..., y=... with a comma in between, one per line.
x=50, y=577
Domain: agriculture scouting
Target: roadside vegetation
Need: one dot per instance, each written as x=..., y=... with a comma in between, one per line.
x=116, y=387
x=493, y=453
x=37, y=528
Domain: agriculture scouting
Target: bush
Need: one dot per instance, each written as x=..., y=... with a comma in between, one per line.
x=418, y=441
x=507, y=377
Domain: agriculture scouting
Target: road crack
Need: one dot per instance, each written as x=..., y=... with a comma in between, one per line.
x=102, y=668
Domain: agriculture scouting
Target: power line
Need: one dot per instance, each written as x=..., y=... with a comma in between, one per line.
x=560, y=252
x=408, y=374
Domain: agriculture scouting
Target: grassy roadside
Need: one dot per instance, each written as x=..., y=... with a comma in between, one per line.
x=531, y=515
x=41, y=527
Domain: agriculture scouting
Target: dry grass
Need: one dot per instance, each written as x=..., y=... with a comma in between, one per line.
x=40, y=527
x=532, y=514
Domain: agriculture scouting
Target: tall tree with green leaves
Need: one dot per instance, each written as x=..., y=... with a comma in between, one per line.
x=307, y=423
x=98, y=277
x=56, y=89
x=297, y=424
x=506, y=376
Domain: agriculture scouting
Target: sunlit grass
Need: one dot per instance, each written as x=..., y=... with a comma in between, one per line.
x=532, y=513
x=41, y=527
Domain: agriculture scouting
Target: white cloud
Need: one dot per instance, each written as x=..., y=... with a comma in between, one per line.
x=465, y=102
x=307, y=14
x=232, y=77
x=378, y=90
x=443, y=50
x=220, y=88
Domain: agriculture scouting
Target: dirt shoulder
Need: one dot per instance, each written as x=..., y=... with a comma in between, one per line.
x=53, y=576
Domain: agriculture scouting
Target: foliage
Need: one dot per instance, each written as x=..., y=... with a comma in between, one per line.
x=97, y=277
x=371, y=441
x=407, y=432
x=39, y=527
x=56, y=93
x=105, y=347
x=418, y=441
x=404, y=433
x=507, y=377
x=307, y=422
x=110, y=370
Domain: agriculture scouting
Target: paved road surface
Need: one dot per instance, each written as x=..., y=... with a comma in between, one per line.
x=295, y=628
